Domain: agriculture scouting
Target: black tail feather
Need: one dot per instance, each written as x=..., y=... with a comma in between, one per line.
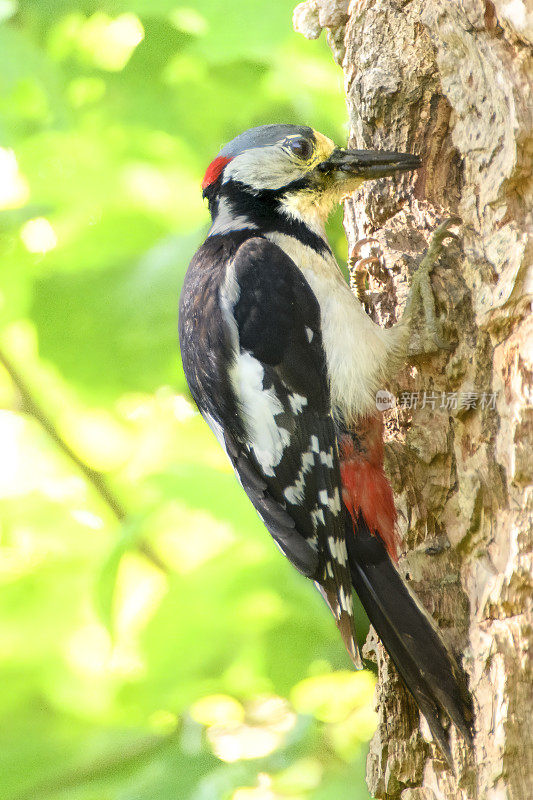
x=410, y=637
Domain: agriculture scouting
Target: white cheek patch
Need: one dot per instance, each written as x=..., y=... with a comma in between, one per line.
x=260, y=406
x=268, y=167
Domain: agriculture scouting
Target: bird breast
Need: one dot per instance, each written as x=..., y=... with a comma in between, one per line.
x=357, y=350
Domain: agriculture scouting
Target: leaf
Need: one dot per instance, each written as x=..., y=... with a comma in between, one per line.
x=106, y=581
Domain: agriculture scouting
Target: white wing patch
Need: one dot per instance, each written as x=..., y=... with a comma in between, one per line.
x=327, y=458
x=332, y=502
x=267, y=440
x=295, y=493
x=345, y=600
x=317, y=516
x=229, y=294
x=297, y=402
x=259, y=406
x=338, y=550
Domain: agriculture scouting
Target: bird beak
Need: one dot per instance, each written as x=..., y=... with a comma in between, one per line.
x=369, y=164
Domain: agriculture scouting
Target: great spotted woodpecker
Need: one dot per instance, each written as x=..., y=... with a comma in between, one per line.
x=284, y=363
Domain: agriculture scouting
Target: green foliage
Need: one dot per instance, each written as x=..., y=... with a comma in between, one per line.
x=168, y=651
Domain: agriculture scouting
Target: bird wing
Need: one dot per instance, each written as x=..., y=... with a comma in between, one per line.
x=286, y=451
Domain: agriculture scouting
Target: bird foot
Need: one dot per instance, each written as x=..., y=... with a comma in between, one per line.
x=357, y=267
x=421, y=291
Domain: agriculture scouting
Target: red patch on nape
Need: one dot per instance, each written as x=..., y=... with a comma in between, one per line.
x=365, y=488
x=213, y=171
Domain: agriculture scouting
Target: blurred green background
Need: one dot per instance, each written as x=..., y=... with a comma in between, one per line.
x=154, y=643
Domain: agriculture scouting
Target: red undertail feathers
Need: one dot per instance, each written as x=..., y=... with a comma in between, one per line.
x=366, y=490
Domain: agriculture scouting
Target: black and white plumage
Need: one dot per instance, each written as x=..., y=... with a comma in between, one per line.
x=283, y=364
x=275, y=420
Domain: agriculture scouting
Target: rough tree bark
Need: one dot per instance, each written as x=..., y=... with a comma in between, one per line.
x=452, y=80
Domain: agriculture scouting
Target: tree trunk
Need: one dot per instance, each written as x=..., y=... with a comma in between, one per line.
x=451, y=80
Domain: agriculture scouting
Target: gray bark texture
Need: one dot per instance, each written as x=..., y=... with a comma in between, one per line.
x=452, y=80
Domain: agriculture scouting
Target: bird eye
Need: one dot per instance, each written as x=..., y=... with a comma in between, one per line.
x=301, y=148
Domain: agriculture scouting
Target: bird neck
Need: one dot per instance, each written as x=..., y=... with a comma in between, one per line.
x=266, y=212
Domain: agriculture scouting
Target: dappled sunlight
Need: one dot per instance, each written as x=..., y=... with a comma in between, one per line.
x=65, y=488
x=262, y=608
x=263, y=790
x=217, y=709
x=188, y=538
x=293, y=783
x=183, y=68
x=12, y=427
x=189, y=20
x=92, y=650
x=261, y=730
x=88, y=518
x=20, y=447
x=14, y=188
x=86, y=90
x=88, y=650
x=22, y=554
x=333, y=696
x=149, y=186
x=163, y=190
x=38, y=235
x=183, y=409
x=305, y=774
x=272, y=712
x=92, y=655
x=106, y=42
x=99, y=438
x=357, y=728
x=168, y=428
x=139, y=590
x=153, y=422
x=237, y=742
x=258, y=727
x=163, y=721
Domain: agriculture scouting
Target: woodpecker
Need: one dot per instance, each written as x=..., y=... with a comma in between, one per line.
x=284, y=363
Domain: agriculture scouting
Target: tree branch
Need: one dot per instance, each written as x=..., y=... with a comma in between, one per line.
x=95, y=478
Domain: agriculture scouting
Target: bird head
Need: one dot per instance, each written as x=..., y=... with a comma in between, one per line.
x=294, y=170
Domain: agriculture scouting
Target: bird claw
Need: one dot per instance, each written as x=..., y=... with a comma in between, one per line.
x=355, y=261
x=357, y=266
x=421, y=285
